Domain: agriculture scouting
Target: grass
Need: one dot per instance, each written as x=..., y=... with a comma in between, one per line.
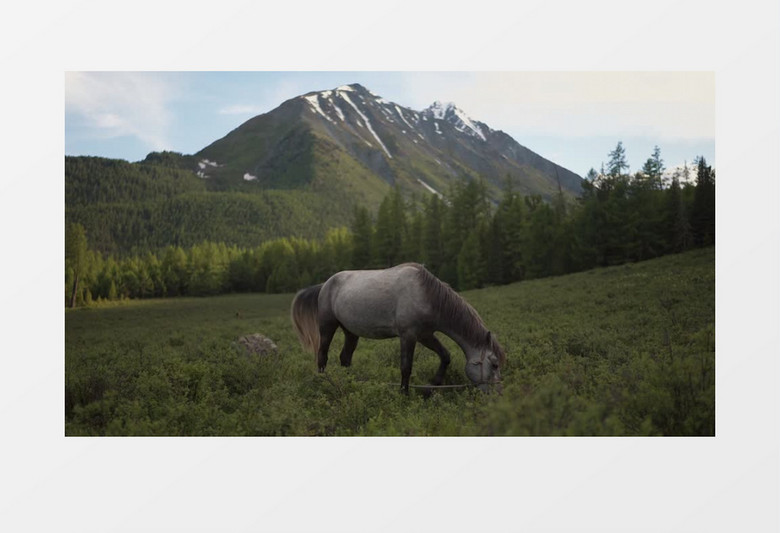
x=626, y=350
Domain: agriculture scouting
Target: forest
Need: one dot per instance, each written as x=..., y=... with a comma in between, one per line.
x=463, y=238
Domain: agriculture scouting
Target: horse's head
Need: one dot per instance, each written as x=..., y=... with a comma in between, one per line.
x=483, y=367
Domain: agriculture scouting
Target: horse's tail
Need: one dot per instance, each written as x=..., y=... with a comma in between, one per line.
x=304, y=317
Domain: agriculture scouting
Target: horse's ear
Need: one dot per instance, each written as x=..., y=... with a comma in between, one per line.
x=487, y=338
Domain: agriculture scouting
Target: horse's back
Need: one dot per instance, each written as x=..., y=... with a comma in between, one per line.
x=375, y=303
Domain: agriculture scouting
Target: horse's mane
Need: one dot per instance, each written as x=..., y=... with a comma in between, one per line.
x=456, y=311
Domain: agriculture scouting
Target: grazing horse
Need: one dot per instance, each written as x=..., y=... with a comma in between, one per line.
x=404, y=301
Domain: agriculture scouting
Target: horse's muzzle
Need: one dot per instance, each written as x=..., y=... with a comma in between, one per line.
x=490, y=387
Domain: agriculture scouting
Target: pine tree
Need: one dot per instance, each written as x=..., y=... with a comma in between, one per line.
x=678, y=230
x=471, y=264
x=703, y=214
x=653, y=169
x=617, y=161
x=362, y=235
x=432, y=248
x=75, y=257
x=390, y=230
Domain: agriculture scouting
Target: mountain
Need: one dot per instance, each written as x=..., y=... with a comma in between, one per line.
x=297, y=170
x=351, y=138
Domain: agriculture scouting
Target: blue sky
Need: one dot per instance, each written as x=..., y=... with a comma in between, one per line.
x=573, y=118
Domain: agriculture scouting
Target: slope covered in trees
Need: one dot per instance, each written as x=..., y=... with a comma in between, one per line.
x=464, y=239
x=134, y=208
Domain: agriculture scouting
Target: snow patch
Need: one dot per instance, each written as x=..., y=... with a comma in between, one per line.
x=429, y=188
x=339, y=112
x=315, y=104
x=460, y=120
x=438, y=109
x=368, y=124
x=249, y=177
x=205, y=162
x=679, y=171
x=437, y=128
x=468, y=123
x=402, y=117
x=345, y=88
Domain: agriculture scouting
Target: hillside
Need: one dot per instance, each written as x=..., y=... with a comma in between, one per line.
x=298, y=170
x=624, y=350
x=350, y=135
x=134, y=207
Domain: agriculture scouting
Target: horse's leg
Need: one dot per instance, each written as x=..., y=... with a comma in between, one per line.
x=407, y=354
x=350, y=342
x=326, y=335
x=432, y=343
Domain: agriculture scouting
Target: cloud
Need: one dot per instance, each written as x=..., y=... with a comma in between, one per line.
x=118, y=104
x=666, y=105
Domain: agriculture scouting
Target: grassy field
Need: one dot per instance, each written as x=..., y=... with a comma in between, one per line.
x=626, y=350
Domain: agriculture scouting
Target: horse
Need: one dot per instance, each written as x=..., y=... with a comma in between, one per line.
x=405, y=301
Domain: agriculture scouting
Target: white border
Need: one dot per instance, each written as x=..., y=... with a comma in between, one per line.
x=726, y=483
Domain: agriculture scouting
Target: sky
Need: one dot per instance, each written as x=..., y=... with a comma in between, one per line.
x=728, y=483
x=572, y=118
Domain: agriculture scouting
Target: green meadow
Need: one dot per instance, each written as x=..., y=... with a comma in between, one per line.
x=624, y=350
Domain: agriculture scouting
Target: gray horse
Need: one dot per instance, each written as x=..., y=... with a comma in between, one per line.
x=405, y=301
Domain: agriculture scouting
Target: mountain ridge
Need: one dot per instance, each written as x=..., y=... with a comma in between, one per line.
x=397, y=144
x=297, y=171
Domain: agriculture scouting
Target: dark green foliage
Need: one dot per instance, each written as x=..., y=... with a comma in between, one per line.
x=703, y=210
x=132, y=208
x=625, y=350
x=362, y=237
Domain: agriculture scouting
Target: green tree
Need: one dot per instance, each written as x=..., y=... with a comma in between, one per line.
x=617, y=161
x=75, y=257
x=703, y=212
x=677, y=227
x=362, y=235
x=471, y=262
x=390, y=229
x=653, y=169
x=432, y=248
x=285, y=275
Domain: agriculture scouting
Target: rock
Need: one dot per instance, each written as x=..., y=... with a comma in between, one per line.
x=258, y=344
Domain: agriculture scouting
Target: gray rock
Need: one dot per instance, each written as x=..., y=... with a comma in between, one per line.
x=257, y=344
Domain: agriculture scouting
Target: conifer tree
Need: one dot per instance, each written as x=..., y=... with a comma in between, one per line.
x=678, y=229
x=617, y=161
x=703, y=215
x=470, y=262
x=75, y=257
x=432, y=249
x=653, y=169
x=362, y=235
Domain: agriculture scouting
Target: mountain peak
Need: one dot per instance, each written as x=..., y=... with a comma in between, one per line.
x=457, y=117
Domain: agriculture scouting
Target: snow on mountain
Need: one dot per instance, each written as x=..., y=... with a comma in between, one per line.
x=368, y=124
x=685, y=172
x=324, y=103
x=420, y=149
x=455, y=116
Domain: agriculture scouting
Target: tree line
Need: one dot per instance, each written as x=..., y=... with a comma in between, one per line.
x=464, y=238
